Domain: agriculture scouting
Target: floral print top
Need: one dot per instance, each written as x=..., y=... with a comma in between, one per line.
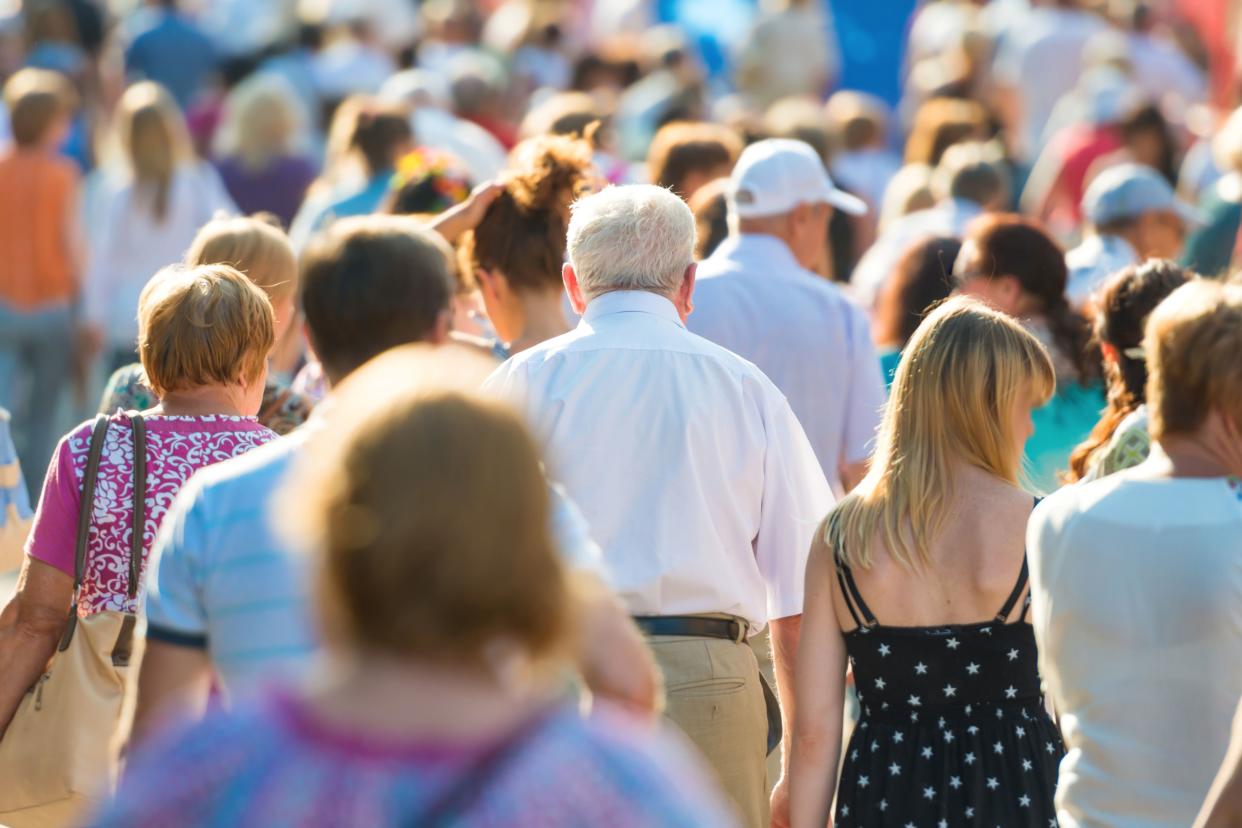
x=282, y=411
x=176, y=448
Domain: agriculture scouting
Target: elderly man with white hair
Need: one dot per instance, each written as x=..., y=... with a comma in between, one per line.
x=691, y=469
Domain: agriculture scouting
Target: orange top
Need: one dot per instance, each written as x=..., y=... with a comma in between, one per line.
x=37, y=190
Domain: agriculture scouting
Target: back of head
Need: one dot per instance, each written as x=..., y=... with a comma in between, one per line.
x=202, y=326
x=36, y=98
x=634, y=237
x=909, y=191
x=858, y=120
x=683, y=149
x=261, y=121
x=1192, y=344
x=370, y=284
x=154, y=137
x=1123, y=307
x=962, y=376
x=428, y=511
x=380, y=134
x=566, y=113
x=802, y=119
x=923, y=276
x=257, y=248
x=522, y=234
x=974, y=172
x=1009, y=245
x=939, y=124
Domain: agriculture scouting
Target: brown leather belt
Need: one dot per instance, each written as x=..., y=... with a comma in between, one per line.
x=728, y=629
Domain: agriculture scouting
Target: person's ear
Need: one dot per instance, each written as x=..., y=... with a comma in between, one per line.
x=1109, y=352
x=573, y=289
x=492, y=285
x=684, y=298
x=1009, y=291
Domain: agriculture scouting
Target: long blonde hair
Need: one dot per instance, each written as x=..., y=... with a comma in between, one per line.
x=960, y=377
x=155, y=140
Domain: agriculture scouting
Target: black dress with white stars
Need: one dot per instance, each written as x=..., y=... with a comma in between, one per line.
x=953, y=730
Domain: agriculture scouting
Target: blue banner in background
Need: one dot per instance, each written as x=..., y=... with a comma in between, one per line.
x=872, y=37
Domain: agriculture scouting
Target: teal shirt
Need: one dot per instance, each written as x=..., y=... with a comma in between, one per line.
x=1060, y=425
x=889, y=360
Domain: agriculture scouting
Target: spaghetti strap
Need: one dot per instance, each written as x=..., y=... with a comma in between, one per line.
x=853, y=598
x=1003, y=615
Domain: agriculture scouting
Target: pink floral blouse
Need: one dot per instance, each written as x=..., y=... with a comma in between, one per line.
x=176, y=448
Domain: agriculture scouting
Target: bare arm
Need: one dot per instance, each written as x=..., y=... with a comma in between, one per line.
x=174, y=683
x=455, y=221
x=1223, y=806
x=785, y=633
x=30, y=628
x=820, y=683
x=612, y=656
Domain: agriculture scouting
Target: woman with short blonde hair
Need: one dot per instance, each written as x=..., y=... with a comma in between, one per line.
x=260, y=251
x=426, y=511
x=1136, y=583
x=943, y=659
x=204, y=336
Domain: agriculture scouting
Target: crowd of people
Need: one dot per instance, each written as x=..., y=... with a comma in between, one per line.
x=587, y=413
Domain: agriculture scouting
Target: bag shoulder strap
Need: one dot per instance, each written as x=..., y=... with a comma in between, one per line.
x=85, y=509
x=448, y=808
x=139, y=426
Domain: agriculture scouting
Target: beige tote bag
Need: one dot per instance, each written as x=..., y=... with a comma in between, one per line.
x=58, y=756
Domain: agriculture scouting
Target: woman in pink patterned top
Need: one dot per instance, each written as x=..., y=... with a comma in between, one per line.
x=204, y=336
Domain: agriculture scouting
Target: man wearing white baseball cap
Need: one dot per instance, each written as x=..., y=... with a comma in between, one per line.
x=758, y=297
x=1134, y=216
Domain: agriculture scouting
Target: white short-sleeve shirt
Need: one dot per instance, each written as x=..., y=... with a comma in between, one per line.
x=1136, y=588
x=696, y=479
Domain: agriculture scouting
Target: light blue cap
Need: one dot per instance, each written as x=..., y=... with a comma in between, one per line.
x=1127, y=191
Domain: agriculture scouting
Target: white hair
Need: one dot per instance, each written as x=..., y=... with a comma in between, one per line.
x=633, y=237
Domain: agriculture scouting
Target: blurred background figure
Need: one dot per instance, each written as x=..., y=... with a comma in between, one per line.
x=145, y=217
x=923, y=278
x=1132, y=215
x=262, y=148
x=41, y=265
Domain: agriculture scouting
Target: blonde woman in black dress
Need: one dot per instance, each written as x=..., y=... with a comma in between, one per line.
x=918, y=580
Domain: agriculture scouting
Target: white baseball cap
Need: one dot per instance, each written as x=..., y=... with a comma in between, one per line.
x=775, y=175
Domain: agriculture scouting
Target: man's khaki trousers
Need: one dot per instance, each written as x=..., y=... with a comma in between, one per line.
x=714, y=697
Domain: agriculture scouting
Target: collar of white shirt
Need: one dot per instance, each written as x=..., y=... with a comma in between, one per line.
x=630, y=301
x=749, y=247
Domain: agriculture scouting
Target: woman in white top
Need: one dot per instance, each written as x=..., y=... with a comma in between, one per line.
x=1137, y=586
x=144, y=220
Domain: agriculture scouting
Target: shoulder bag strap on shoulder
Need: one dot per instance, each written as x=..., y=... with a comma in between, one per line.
x=98, y=434
x=139, y=426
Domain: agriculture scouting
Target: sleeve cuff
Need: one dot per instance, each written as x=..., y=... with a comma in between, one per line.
x=196, y=641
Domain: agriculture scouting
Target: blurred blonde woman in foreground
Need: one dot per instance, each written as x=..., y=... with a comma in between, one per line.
x=918, y=579
x=438, y=582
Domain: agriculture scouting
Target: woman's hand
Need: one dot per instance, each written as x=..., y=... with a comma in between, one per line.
x=780, y=804
x=30, y=628
x=455, y=221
